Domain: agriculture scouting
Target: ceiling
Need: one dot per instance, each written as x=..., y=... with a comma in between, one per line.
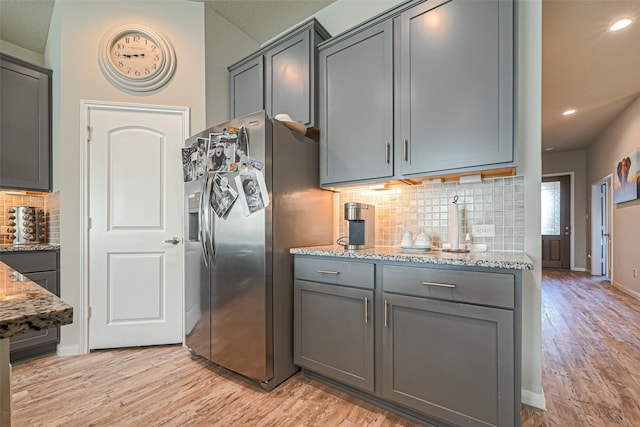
x=584, y=66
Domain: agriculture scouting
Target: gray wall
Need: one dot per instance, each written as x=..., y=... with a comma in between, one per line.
x=575, y=161
x=621, y=138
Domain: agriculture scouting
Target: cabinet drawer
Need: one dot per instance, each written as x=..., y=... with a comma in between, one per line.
x=28, y=262
x=348, y=273
x=494, y=289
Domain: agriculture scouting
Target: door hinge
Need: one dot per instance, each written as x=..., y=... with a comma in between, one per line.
x=89, y=133
x=90, y=313
x=90, y=223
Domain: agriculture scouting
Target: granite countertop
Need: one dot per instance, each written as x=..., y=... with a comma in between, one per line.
x=492, y=259
x=26, y=306
x=30, y=247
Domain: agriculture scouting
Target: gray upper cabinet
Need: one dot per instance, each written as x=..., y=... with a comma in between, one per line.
x=288, y=91
x=356, y=107
x=280, y=77
x=456, y=86
x=431, y=81
x=246, y=88
x=25, y=125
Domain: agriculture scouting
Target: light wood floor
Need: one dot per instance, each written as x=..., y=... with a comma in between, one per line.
x=591, y=358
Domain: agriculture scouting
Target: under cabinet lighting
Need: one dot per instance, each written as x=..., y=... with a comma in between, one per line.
x=569, y=112
x=620, y=24
x=381, y=186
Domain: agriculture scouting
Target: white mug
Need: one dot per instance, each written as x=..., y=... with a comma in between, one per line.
x=407, y=239
x=422, y=241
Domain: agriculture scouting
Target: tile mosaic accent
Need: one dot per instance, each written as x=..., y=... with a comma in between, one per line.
x=52, y=212
x=423, y=208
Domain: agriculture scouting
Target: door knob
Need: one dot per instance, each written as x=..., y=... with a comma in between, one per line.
x=173, y=241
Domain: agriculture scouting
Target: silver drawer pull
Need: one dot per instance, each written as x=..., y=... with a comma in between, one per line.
x=439, y=285
x=328, y=272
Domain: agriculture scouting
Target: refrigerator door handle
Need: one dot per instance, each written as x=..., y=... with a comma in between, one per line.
x=208, y=226
x=203, y=221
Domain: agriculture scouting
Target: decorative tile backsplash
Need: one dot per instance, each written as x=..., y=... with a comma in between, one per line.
x=50, y=203
x=423, y=208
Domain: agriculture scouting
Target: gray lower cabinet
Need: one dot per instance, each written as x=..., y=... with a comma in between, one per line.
x=447, y=339
x=42, y=268
x=333, y=320
x=449, y=360
x=334, y=330
x=25, y=125
x=280, y=77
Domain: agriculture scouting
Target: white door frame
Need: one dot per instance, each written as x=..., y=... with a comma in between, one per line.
x=572, y=238
x=595, y=225
x=85, y=107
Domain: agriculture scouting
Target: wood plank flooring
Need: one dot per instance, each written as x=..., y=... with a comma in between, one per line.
x=591, y=362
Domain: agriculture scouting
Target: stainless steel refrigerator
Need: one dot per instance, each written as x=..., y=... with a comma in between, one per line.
x=238, y=270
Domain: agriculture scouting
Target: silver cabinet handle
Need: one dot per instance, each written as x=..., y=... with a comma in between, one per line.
x=366, y=309
x=388, y=152
x=386, y=312
x=439, y=285
x=173, y=241
x=328, y=272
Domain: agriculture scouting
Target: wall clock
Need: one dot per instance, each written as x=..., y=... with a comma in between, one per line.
x=137, y=58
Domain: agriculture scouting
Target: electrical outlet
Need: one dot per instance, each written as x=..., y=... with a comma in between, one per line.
x=483, y=230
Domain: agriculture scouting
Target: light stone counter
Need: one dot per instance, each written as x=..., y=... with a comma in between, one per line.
x=24, y=307
x=491, y=259
x=31, y=247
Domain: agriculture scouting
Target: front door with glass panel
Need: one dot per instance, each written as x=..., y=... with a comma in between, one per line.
x=556, y=225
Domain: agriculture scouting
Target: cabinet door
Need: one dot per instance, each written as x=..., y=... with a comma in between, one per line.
x=49, y=281
x=288, y=79
x=449, y=360
x=25, y=140
x=246, y=88
x=333, y=332
x=456, y=86
x=356, y=107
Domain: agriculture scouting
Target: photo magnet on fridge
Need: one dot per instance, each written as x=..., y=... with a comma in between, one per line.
x=222, y=196
x=253, y=191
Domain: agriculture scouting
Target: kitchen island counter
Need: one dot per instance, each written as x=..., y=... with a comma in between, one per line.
x=24, y=307
x=29, y=248
x=492, y=259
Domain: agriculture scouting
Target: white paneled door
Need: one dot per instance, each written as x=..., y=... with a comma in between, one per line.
x=135, y=236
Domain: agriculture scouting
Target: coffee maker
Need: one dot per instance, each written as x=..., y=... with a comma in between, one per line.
x=360, y=219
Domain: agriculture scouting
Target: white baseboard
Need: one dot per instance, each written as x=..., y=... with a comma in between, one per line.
x=534, y=399
x=68, y=350
x=626, y=290
x=579, y=269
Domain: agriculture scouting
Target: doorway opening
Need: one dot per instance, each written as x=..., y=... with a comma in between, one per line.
x=601, y=226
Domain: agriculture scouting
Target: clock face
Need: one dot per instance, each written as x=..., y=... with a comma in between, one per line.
x=136, y=58
x=136, y=55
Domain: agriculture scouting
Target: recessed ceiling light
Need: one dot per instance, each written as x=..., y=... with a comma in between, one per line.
x=569, y=112
x=620, y=24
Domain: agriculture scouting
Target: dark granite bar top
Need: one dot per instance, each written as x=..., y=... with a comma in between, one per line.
x=26, y=306
x=30, y=247
x=490, y=259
